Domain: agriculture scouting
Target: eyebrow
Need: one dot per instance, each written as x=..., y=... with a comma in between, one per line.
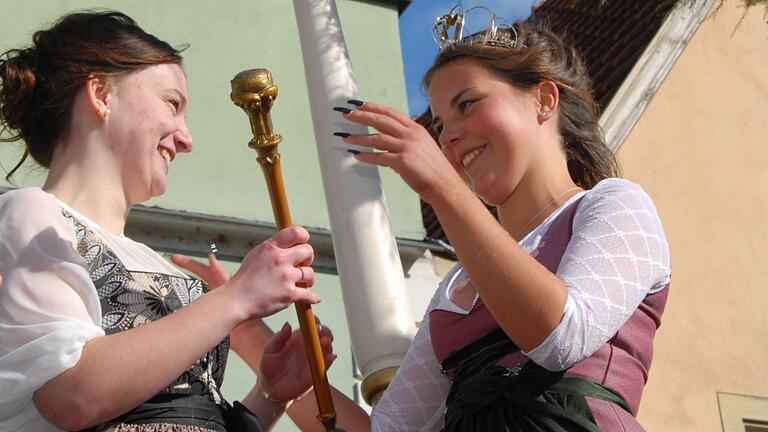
x=181, y=96
x=454, y=101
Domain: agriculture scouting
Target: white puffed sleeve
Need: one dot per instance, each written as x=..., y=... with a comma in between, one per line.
x=617, y=255
x=49, y=307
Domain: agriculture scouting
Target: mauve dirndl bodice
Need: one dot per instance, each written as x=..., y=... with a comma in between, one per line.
x=621, y=364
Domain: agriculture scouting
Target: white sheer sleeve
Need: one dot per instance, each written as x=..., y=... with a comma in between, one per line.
x=415, y=399
x=48, y=305
x=617, y=255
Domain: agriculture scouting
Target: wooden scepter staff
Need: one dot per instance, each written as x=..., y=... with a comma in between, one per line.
x=254, y=92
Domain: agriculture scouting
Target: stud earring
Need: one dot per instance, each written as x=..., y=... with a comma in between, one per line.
x=105, y=112
x=543, y=113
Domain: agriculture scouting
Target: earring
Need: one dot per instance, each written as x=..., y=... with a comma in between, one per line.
x=543, y=113
x=105, y=112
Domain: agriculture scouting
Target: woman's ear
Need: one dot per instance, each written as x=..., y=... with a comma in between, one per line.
x=98, y=90
x=548, y=97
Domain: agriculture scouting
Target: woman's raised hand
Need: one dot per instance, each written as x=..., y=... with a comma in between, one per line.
x=406, y=147
x=284, y=371
x=268, y=276
x=214, y=274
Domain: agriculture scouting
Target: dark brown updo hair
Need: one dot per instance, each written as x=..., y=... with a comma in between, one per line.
x=540, y=55
x=38, y=84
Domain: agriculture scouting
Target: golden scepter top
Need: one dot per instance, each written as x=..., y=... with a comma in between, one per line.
x=254, y=91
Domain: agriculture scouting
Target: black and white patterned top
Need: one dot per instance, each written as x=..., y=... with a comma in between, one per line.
x=130, y=299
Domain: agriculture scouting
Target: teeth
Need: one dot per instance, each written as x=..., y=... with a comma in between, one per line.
x=472, y=155
x=164, y=153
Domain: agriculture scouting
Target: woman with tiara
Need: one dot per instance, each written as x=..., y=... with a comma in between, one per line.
x=547, y=322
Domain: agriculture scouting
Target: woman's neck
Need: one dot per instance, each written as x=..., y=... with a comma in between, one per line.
x=528, y=207
x=90, y=191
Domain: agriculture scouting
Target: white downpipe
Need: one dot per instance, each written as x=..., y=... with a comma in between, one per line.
x=378, y=312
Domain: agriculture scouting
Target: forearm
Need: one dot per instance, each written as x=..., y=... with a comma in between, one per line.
x=268, y=411
x=118, y=372
x=525, y=298
x=248, y=340
x=349, y=415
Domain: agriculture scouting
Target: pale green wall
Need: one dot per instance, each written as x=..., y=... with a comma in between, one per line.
x=221, y=176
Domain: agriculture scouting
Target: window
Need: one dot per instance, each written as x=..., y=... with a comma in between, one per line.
x=742, y=413
x=755, y=425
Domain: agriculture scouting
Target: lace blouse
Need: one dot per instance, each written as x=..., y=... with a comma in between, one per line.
x=617, y=255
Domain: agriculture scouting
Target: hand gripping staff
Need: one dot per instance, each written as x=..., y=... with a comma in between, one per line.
x=254, y=92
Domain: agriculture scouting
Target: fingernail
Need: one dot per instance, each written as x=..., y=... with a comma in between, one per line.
x=342, y=134
x=344, y=110
x=356, y=102
x=354, y=152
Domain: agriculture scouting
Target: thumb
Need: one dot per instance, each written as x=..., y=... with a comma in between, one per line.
x=304, y=295
x=280, y=339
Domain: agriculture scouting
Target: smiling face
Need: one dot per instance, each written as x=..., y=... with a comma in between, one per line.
x=147, y=127
x=489, y=130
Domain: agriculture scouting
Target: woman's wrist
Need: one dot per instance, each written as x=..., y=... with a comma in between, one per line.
x=235, y=306
x=281, y=404
x=450, y=195
x=250, y=335
x=284, y=404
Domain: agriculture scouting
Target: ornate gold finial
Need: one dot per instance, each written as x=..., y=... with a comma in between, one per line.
x=254, y=92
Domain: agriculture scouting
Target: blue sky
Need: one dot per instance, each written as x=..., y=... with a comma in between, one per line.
x=419, y=49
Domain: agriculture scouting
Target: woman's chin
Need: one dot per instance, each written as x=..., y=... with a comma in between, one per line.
x=158, y=188
x=159, y=191
x=487, y=196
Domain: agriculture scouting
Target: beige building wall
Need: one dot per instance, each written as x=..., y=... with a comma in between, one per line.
x=701, y=151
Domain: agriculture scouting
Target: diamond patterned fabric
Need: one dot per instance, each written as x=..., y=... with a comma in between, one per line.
x=617, y=255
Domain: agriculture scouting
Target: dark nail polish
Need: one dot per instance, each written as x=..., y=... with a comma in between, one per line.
x=354, y=152
x=344, y=110
x=356, y=102
x=342, y=134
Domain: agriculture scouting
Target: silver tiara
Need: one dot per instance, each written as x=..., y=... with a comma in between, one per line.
x=449, y=28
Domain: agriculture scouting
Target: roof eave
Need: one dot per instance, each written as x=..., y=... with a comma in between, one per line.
x=633, y=96
x=190, y=233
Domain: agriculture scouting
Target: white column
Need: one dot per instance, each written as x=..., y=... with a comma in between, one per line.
x=378, y=312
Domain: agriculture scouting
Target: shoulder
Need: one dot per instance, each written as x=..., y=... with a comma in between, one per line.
x=27, y=203
x=615, y=195
x=616, y=188
x=26, y=211
x=617, y=207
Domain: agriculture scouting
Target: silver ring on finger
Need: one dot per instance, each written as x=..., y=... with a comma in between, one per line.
x=302, y=274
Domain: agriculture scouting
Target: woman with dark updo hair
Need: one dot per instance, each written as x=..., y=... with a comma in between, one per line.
x=100, y=332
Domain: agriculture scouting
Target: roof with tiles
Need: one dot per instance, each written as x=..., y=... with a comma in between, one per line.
x=611, y=39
